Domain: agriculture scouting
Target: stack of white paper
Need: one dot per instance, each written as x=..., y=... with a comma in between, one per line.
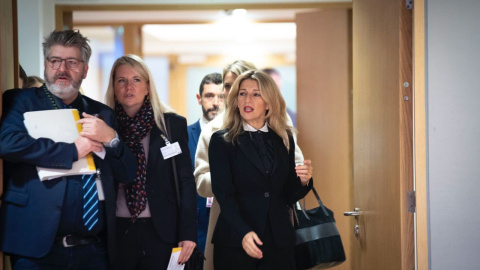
x=173, y=263
x=60, y=126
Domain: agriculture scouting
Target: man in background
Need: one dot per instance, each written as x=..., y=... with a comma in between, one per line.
x=22, y=76
x=211, y=98
x=278, y=80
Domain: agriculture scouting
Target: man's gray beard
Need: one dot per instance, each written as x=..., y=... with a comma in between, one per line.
x=62, y=92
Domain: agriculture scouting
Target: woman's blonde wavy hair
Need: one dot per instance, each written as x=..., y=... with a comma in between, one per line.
x=237, y=67
x=139, y=66
x=276, y=116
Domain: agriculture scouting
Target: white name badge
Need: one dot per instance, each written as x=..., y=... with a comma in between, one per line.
x=171, y=150
x=209, y=202
x=101, y=196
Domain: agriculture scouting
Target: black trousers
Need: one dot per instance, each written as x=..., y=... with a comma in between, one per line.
x=140, y=247
x=91, y=257
x=228, y=258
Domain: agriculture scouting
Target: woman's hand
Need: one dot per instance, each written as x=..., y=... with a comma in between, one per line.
x=249, y=244
x=305, y=171
x=187, y=250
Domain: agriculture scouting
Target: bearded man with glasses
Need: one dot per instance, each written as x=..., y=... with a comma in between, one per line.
x=50, y=224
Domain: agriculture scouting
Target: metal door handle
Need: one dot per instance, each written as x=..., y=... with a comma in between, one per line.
x=355, y=213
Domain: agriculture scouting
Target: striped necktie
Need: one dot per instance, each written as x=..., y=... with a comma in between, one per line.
x=90, y=201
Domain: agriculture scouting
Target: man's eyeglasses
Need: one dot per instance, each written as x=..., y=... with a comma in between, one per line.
x=70, y=63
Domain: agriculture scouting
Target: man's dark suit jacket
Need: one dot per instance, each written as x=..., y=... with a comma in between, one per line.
x=172, y=225
x=247, y=194
x=203, y=212
x=30, y=211
x=194, y=131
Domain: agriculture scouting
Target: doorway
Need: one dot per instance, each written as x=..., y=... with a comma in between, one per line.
x=334, y=177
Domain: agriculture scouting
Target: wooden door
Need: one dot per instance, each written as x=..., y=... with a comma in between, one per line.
x=382, y=128
x=324, y=111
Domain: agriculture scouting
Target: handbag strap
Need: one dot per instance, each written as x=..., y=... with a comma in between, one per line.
x=175, y=175
x=320, y=203
x=177, y=188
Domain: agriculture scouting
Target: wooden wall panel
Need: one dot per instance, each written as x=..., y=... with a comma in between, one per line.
x=8, y=45
x=132, y=39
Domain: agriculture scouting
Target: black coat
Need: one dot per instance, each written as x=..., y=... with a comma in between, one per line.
x=172, y=225
x=247, y=194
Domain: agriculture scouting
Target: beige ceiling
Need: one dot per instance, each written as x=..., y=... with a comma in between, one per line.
x=179, y=16
x=205, y=32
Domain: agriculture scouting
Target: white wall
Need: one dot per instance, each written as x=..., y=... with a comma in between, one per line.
x=453, y=139
x=35, y=20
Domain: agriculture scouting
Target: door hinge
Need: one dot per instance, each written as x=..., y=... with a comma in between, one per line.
x=411, y=201
x=409, y=4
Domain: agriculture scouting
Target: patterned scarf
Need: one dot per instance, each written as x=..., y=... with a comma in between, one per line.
x=132, y=131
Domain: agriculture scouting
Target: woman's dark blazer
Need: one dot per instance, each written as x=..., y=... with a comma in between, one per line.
x=172, y=225
x=246, y=193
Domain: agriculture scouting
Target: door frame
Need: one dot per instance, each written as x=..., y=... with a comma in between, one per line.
x=63, y=13
x=421, y=240
x=420, y=138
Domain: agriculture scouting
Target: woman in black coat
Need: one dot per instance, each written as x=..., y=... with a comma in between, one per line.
x=254, y=178
x=149, y=221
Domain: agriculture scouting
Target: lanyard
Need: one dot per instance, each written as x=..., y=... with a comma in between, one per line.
x=54, y=103
x=165, y=138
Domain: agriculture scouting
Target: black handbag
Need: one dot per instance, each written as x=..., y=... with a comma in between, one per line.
x=195, y=262
x=318, y=244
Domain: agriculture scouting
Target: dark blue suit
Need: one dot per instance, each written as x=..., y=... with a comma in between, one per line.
x=31, y=209
x=203, y=212
x=194, y=131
